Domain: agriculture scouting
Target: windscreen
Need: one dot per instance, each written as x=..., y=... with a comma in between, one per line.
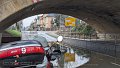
x=42, y=40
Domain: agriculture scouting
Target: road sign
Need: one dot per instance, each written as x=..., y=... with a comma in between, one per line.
x=69, y=57
x=70, y=21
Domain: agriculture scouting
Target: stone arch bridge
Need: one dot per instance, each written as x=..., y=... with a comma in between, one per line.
x=103, y=15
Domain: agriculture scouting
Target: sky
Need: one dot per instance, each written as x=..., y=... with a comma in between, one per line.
x=28, y=21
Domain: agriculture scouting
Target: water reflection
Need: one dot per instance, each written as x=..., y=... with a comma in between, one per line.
x=80, y=59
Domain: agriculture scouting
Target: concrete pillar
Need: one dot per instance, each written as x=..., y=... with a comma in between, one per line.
x=0, y=38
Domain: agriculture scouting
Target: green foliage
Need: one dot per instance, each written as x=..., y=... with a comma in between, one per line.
x=84, y=29
x=60, y=19
x=57, y=20
x=88, y=30
x=14, y=33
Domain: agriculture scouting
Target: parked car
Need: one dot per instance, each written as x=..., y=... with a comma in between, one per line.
x=23, y=53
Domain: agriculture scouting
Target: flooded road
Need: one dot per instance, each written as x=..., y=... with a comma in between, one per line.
x=85, y=59
x=73, y=59
x=97, y=60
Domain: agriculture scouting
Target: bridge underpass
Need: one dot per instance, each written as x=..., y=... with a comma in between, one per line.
x=103, y=15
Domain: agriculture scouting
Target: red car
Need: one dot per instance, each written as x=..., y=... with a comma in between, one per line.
x=22, y=54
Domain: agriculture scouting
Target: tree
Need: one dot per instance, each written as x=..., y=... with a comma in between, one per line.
x=83, y=28
x=57, y=20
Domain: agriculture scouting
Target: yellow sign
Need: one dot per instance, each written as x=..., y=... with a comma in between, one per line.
x=69, y=57
x=70, y=21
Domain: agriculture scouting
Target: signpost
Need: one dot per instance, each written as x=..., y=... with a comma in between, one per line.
x=71, y=22
x=69, y=57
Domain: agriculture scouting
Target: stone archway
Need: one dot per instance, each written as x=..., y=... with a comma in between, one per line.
x=103, y=15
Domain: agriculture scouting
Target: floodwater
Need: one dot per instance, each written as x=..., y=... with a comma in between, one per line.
x=78, y=59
